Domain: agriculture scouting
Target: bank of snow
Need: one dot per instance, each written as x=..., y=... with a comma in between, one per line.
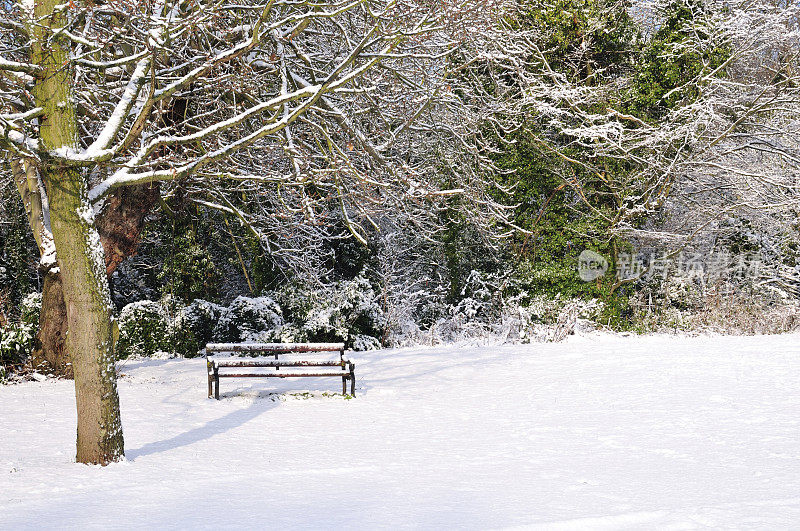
x=597, y=432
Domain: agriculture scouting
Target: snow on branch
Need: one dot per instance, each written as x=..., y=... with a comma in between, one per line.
x=14, y=66
x=289, y=113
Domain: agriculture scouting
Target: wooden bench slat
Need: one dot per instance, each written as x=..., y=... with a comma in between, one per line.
x=265, y=363
x=274, y=347
x=282, y=374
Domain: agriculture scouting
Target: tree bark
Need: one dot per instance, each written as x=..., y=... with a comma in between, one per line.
x=78, y=249
x=121, y=221
x=88, y=303
x=50, y=355
x=120, y=227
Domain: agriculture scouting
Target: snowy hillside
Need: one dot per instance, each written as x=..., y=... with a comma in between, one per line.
x=599, y=432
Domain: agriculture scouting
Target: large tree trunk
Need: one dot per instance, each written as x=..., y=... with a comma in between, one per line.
x=120, y=227
x=78, y=248
x=88, y=303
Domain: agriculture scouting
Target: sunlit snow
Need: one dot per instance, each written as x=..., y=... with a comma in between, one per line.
x=599, y=432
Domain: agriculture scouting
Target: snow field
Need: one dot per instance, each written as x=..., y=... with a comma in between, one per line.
x=599, y=432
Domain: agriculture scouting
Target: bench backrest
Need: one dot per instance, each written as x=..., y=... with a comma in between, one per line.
x=274, y=348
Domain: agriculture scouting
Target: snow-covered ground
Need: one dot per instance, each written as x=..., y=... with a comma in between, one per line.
x=597, y=432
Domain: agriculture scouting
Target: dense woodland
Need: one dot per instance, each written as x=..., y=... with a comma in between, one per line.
x=390, y=173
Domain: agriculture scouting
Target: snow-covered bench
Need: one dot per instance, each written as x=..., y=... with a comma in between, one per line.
x=298, y=368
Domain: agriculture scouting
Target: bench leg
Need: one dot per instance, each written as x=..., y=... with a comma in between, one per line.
x=353, y=380
x=210, y=379
x=344, y=377
x=216, y=382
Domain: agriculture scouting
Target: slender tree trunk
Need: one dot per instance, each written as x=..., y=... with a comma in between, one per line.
x=78, y=248
x=50, y=355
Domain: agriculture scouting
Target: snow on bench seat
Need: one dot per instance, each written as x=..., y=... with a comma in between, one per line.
x=214, y=364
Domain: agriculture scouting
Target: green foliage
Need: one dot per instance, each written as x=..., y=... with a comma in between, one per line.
x=560, y=223
x=346, y=311
x=465, y=250
x=350, y=257
x=30, y=307
x=617, y=313
x=194, y=327
x=189, y=272
x=18, y=252
x=564, y=206
x=248, y=319
x=16, y=342
x=17, y=339
x=671, y=68
x=143, y=330
x=265, y=273
x=739, y=237
x=583, y=39
x=567, y=207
